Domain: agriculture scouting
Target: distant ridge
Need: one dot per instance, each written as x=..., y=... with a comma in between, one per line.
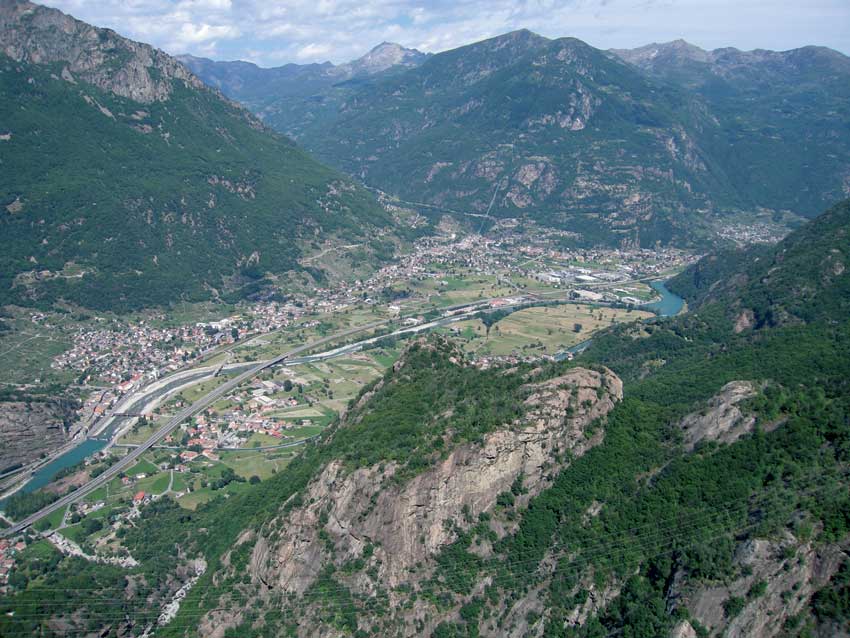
x=665, y=143
x=257, y=86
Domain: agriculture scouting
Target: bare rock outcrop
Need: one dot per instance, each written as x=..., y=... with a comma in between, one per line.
x=30, y=428
x=744, y=321
x=781, y=576
x=405, y=524
x=40, y=35
x=683, y=629
x=721, y=419
x=410, y=523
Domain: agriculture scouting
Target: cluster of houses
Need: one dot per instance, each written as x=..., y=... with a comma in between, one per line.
x=123, y=353
x=84, y=507
x=8, y=550
x=231, y=428
x=128, y=356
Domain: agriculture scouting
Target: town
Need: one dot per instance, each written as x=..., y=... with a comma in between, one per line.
x=118, y=357
x=250, y=431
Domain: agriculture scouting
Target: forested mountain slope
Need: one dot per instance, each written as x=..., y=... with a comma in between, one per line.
x=557, y=129
x=803, y=278
x=680, y=478
x=126, y=182
x=782, y=134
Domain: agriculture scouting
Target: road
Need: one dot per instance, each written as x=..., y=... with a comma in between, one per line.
x=199, y=405
x=213, y=396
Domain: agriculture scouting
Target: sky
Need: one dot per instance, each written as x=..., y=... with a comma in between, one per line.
x=275, y=32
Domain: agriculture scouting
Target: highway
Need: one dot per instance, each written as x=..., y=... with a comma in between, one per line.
x=199, y=405
x=466, y=310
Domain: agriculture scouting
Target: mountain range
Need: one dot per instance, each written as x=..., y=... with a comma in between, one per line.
x=680, y=477
x=127, y=182
x=259, y=88
x=661, y=143
x=120, y=162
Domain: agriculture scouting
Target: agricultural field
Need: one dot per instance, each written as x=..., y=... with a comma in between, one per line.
x=266, y=346
x=27, y=348
x=195, y=392
x=141, y=431
x=457, y=287
x=540, y=330
x=333, y=383
x=182, y=313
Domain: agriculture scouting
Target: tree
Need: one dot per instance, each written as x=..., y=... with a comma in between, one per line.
x=577, y=327
x=92, y=525
x=254, y=479
x=287, y=386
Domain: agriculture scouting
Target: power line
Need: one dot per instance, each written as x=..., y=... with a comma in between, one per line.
x=295, y=607
x=730, y=505
x=584, y=556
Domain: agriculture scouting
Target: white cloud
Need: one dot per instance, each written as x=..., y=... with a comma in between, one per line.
x=313, y=51
x=272, y=32
x=194, y=33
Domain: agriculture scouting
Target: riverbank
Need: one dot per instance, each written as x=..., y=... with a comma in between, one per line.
x=670, y=303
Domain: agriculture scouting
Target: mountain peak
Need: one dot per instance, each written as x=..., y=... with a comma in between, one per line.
x=520, y=35
x=41, y=35
x=679, y=50
x=524, y=33
x=386, y=45
x=384, y=56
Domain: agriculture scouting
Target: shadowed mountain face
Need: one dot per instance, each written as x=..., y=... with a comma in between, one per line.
x=802, y=279
x=782, y=134
x=654, y=144
x=127, y=182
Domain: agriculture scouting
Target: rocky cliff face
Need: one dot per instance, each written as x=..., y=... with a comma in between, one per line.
x=39, y=35
x=721, y=419
x=396, y=530
x=778, y=580
x=30, y=428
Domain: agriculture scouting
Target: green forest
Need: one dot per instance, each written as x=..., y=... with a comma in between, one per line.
x=667, y=515
x=103, y=197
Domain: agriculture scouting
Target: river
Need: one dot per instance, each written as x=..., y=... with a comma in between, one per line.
x=669, y=305
x=44, y=475
x=47, y=473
